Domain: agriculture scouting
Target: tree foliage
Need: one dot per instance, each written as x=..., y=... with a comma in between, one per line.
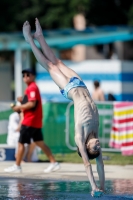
x=59, y=13
x=52, y=14
x=130, y=16
x=109, y=12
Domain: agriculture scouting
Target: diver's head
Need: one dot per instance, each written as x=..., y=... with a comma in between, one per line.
x=92, y=148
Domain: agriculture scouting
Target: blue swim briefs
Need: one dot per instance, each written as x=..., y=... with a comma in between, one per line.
x=73, y=83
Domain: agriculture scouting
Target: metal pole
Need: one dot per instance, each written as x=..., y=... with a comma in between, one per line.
x=26, y=59
x=17, y=72
x=67, y=127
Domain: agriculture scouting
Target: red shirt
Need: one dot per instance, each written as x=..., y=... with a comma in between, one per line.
x=33, y=117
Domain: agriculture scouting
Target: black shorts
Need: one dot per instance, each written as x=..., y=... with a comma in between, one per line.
x=27, y=133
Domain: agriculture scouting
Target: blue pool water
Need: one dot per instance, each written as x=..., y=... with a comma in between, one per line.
x=25, y=189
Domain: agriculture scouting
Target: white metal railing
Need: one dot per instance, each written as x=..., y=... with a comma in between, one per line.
x=67, y=127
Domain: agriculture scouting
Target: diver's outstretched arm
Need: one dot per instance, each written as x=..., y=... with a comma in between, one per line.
x=96, y=192
x=47, y=51
x=100, y=170
x=87, y=164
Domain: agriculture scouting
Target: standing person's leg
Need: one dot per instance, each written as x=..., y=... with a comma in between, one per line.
x=54, y=166
x=25, y=151
x=38, y=139
x=24, y=138
x=46, y=150
x=20, y=154
x=16, y=167
x=31, y=148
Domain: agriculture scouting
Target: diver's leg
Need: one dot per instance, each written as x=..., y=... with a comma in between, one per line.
x=28, y=37
x=58, y=77
x=48, y=53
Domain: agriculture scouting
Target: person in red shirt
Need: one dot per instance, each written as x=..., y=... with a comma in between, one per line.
x=31, y=125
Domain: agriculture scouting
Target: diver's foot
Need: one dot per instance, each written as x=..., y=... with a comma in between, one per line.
x=38, y=32
x=27, y=31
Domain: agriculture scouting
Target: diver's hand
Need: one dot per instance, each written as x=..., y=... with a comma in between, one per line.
x=97, y=193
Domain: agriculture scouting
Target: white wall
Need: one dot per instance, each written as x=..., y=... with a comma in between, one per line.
x=115, y=76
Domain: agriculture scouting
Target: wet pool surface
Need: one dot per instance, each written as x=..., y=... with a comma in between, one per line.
x=25, y=189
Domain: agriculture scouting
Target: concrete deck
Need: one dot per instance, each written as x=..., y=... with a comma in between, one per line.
x=67, y=172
